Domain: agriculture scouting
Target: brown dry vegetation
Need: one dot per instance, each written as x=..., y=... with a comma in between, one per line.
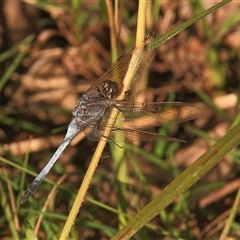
x=69, y=51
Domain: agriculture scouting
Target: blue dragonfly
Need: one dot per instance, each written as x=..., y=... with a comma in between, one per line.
x=92, y=112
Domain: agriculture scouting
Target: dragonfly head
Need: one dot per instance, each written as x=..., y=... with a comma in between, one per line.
x=108, y=89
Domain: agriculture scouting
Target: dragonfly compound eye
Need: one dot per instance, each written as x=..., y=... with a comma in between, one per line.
x=109, y=89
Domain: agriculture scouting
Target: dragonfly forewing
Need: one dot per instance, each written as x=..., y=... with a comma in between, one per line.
x=144, y=115
x=133, y=117
x=117, y=71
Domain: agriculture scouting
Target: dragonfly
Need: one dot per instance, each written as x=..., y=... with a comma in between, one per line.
x=92, y=112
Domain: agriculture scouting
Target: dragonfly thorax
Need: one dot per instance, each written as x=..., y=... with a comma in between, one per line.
x=90, y=106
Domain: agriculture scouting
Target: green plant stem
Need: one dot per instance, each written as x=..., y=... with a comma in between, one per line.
x=233, y=213
x=174, y=31
x=16, y=61
x=5, y=203
x=113, y=31
x=83, y=189
x=122, y=173
x=134, y=64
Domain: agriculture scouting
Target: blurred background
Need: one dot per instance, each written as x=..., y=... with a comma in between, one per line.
x=52, y=51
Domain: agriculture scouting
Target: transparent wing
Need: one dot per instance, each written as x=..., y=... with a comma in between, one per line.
x=117, y=71
x=133, y=117
x=145, y=115
x=126, y=135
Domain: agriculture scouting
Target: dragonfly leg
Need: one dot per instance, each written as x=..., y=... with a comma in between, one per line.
x=112, y=140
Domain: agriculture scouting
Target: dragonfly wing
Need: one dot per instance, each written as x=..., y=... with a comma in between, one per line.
x=141, y=115
x=117, y=71
x=120, y=135
x=129, y=135
x=92, y=132
x=144, y=115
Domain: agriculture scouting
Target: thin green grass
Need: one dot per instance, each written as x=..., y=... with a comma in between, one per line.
x=103, y=220
x=23, y=47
